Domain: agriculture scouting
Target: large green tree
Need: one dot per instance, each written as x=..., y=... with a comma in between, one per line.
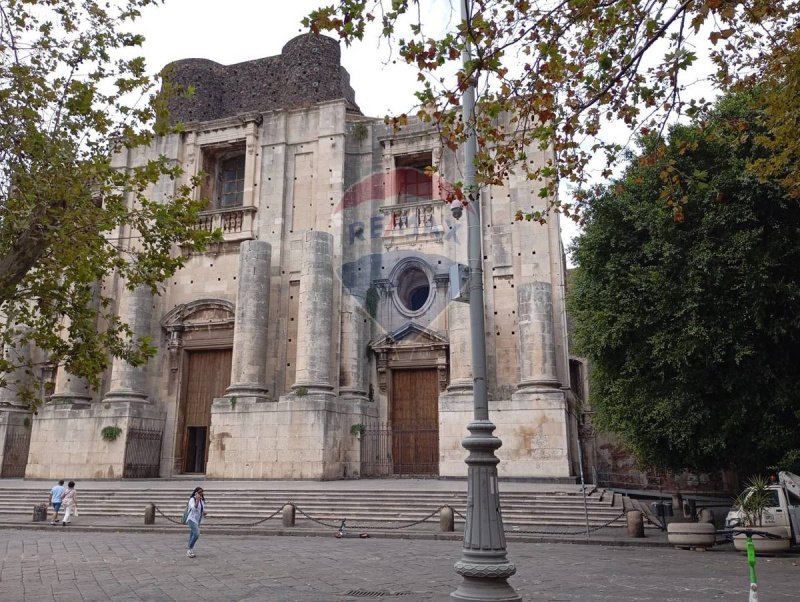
x=692, y=326
x=567, y=69
x=72, y=92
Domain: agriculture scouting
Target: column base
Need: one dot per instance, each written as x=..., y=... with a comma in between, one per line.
x=353, y=395
x=125, y=396
x=248, y=390
x=538, y=386
x=314, y=390
x=76, y=402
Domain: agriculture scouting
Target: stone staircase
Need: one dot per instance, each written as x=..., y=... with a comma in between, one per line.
x=557, y=510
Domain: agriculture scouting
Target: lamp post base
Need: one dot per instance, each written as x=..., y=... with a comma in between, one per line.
x=474, y=589
x=484, y=565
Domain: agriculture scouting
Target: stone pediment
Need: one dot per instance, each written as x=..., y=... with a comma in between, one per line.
x=410, y=335
x=411, y=346
x=202, y=313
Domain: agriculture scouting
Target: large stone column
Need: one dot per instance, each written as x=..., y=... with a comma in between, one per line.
x=249, y=362
x=355, y=335
x=537, y=348
x=17, y=379
x=315, y=315
x=460, y=348
x=129, y=383
x=70, y=388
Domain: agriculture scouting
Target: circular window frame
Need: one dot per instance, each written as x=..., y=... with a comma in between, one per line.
x=395, y=278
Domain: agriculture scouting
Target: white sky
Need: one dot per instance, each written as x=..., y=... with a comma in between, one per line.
x=233, y=31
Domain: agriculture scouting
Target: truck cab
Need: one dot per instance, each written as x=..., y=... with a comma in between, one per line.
x=782, y=511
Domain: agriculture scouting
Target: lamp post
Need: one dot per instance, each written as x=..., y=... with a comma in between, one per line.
x=484, y=565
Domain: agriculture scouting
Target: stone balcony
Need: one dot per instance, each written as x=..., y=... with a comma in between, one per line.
x=235, y=223
x=418, y=221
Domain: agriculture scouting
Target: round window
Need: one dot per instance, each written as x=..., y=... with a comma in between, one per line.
x=413, y=288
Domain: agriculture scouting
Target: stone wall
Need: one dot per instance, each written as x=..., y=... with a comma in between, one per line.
x=304, y=437
x=533, y=432
x=66, y=443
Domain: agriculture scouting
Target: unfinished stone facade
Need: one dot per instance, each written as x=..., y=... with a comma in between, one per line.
x=319, y=339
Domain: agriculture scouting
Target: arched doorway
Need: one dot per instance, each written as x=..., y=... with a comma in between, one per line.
x=200, y=349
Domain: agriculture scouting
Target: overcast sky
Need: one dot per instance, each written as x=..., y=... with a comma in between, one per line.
x=232, y=31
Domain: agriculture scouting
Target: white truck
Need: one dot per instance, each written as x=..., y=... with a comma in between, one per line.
x=782, y=516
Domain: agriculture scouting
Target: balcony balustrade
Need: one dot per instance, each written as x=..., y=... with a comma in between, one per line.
x=236, y=223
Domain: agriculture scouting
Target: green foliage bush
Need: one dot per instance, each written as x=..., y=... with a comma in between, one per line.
x=687, y=301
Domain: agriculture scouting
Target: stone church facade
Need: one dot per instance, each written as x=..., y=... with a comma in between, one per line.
x=321, y=338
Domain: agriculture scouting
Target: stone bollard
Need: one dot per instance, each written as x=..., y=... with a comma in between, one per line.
x=150, y=514
x=707, y=516
x=447, y=520
x=288, y=515
x=635, y=523
x=39, y=513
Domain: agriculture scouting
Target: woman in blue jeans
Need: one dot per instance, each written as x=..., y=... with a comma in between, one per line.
x=196, y=507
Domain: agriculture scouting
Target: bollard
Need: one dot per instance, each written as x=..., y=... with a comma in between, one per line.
x=288, y=515
x=677, y=503
x=150, y=514
x=447, y=519
x=690, y=509
x=707, y=516
x=39, y=513
x=635, y=523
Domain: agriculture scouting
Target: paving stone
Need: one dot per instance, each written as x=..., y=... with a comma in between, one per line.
x=152, y=566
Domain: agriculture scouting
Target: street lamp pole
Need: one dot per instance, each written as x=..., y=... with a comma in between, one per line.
x=484, y=565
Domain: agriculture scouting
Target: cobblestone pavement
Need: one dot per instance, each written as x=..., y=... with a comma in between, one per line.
x=70, y=566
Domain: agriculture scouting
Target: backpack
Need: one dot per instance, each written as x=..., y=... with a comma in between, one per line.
x=185, y=517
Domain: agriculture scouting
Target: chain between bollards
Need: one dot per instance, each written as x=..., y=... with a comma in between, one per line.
x=445, y=511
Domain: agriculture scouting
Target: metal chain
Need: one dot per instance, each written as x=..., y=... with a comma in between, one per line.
x=394, y=528
x=581, y=532
x=319, y=522
x=343, y=524
x=258, y=522
x=263, y=520
x=172, y=520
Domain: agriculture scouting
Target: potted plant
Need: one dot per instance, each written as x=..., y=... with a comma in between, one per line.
x=754, y=508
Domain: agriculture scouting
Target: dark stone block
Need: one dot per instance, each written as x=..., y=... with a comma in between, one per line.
x=307, y=72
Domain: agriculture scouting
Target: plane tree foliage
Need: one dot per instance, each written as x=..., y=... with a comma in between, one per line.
x=72, y=92
x=566, y=70
x=692, y=327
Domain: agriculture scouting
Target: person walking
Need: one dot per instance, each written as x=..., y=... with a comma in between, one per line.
x=70, y=502
x=195, y=509
x=56, y=496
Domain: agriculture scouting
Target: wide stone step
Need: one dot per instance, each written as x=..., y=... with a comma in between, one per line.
x=521, y=510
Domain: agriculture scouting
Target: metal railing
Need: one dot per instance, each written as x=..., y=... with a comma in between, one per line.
x=400, y=450
x=142, y=454
x=15, y=452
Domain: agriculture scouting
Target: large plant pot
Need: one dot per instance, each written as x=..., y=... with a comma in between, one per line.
x=691, y=536
x=764, y=545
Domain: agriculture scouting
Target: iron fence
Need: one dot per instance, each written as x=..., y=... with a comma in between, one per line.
x=399, y=450
x=142, y=454
x=15, y=452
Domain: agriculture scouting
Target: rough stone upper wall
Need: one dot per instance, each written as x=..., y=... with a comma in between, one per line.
x=306, y=72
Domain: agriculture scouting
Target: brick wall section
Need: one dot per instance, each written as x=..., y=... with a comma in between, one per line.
x=306, y=72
